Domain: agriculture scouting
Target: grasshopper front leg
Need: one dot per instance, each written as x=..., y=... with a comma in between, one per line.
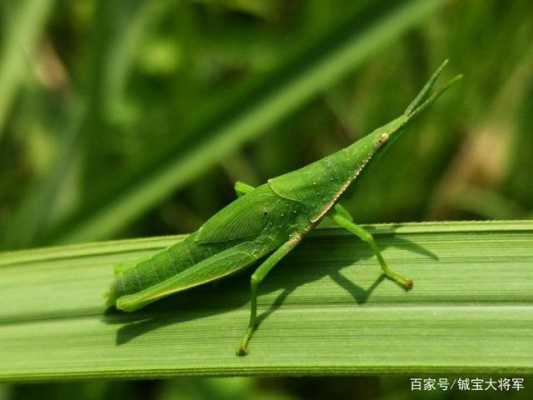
x=242, y=188
x=256, y=279
x=342, y=217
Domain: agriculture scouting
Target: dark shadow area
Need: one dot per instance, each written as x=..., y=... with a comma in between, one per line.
x=359, y=294
x=233, y=293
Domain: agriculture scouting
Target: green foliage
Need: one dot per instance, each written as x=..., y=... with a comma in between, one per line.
x=325, y=310
x=178, y=98
x=22, y=27
x=109, y=110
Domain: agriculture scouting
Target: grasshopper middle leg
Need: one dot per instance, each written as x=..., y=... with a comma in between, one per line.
x=256, y=279
x=341, y=216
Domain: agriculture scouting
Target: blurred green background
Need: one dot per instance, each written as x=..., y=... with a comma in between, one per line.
x=130, y=118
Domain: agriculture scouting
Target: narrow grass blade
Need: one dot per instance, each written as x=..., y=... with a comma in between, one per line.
x=324, y=310
x=31, y=217
x=23, y=34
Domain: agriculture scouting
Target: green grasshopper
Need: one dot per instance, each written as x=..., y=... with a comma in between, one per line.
x=268, y=220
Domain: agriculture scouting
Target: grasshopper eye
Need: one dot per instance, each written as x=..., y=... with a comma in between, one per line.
x=383, y=139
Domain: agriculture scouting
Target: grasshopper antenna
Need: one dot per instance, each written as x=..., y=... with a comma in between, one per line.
x=424, y=98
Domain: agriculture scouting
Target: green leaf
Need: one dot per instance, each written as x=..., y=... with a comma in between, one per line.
x=324, y=310
x=285, y=91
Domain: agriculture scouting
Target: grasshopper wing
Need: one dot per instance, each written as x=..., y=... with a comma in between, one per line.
x=244, y=219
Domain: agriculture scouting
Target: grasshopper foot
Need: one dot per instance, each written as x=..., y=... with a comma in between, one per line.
x=243, y=348
x=406, y=283
x=241, y=352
